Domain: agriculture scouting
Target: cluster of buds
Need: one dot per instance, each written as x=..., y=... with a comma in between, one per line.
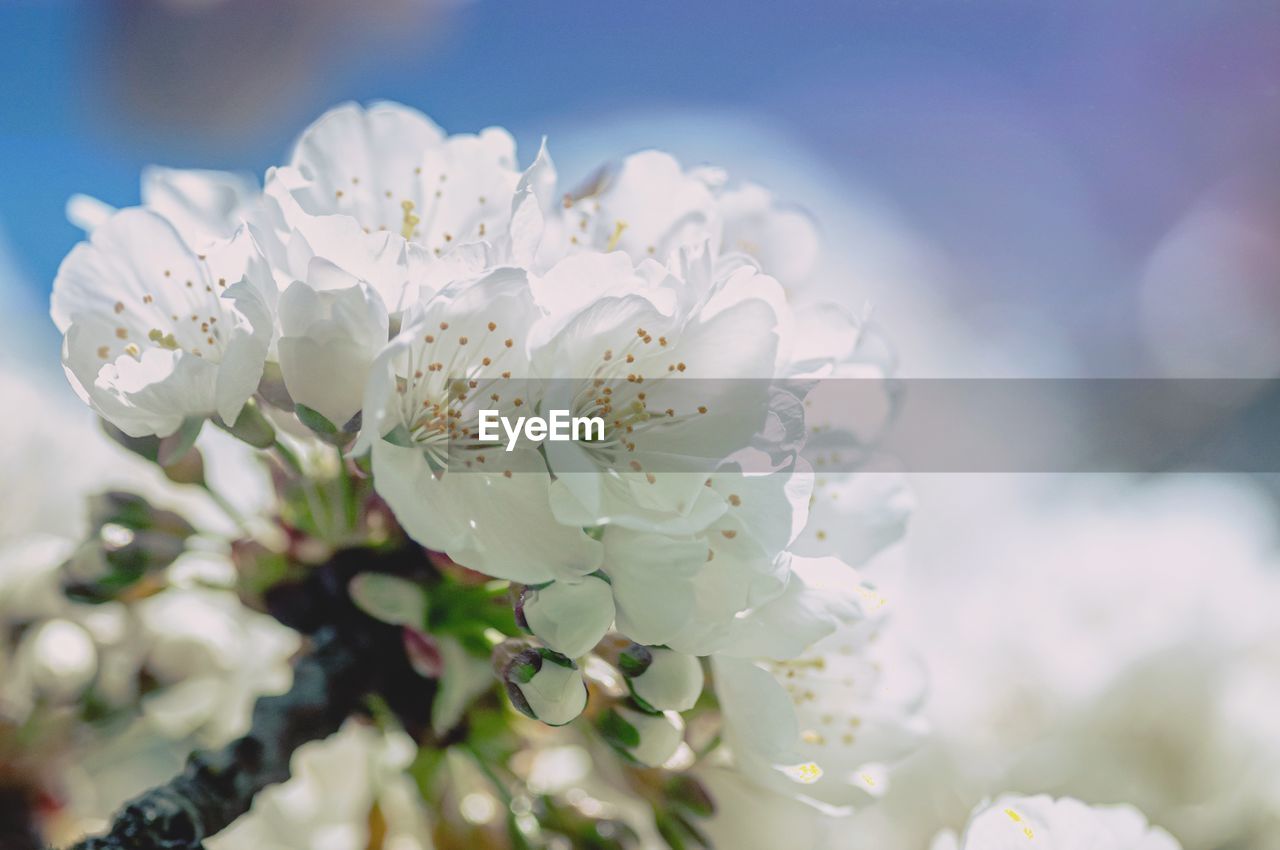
x=641, y=691
x=646, y=725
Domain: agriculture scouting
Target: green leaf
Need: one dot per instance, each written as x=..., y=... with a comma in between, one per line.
x=390, y=599
x=315, y=420
x=251, y=426
x=617, y=731
x=399, y=436
x=175, y=446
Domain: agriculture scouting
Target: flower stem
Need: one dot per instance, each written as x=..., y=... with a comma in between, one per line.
x=348, y=490
x=287, y=455
x=227, y=508
x=499, y=787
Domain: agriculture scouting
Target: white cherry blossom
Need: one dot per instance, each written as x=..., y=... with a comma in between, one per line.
x=383, y=193
x=1013, y=823
x=332, y=326
x=681, y=387
x=650, y=206
x=156, y=334
x=687, y=591
x=462, y=350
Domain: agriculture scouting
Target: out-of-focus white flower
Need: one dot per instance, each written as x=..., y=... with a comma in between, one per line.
x=748, y=817
x=1063, y=824
x=56, y=424
x=154, y=333
x=816, y=703
x=215, y=658
x=1111, y=640
x=64, y=649
x=332, y=326
x=60, y=658
x=855, y=515
x=204, y=206
x=211, y=656
x=783, y=240
x=334, y=786
x=648, y=207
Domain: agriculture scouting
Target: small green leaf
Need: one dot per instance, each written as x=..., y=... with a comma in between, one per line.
x=390, y=599
x=617, y=731
x=251, y=427
x=315, y=420
x=399, y=436
x=174, y=447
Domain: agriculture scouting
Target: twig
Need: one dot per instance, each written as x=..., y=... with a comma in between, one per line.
x=352, y=656
x=217, y=787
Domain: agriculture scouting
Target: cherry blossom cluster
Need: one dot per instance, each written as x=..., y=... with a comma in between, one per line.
x=389, y=282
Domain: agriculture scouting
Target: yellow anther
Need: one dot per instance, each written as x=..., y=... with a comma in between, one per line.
x=618, y=227
x=410, y=220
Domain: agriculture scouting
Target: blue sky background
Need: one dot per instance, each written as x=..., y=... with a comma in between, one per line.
x=1042, y=153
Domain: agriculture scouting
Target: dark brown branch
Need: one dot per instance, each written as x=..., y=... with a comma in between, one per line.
x=217, y=787
x=352, y=656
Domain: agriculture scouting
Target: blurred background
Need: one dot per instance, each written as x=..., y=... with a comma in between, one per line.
x=1019, y=189
x=1094, y=186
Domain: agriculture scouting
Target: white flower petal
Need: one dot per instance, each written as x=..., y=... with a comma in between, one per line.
x=570, y=617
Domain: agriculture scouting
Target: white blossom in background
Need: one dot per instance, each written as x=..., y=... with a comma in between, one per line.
x=1087, y=612
x=816, y=705
x=56, y=424
x=210, y=655
x=328, y=800
x=748, y=817
x=206, y=207
x=650, y=206
x=1062, y=824
x=213, y=658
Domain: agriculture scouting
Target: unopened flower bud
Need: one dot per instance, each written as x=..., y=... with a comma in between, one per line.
x=662, y=679
x=571, y=618
x=650, y=739
x=541, y=684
